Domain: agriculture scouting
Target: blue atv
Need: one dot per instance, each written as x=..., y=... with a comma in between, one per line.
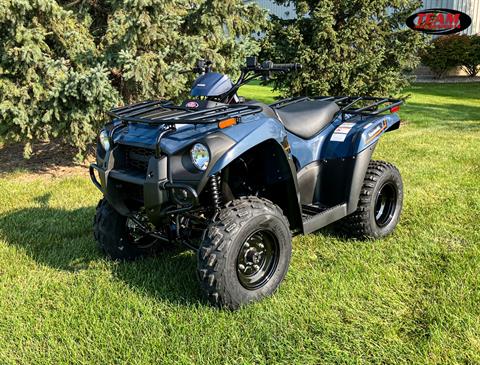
x=234, y=179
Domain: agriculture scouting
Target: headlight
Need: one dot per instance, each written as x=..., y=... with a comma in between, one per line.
x=200, y=156
x=104, y=140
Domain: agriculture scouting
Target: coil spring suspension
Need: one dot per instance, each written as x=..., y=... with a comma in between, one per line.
x=215, y=190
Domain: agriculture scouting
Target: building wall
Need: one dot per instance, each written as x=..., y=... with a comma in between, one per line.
x=470, y=7
x=281, y=11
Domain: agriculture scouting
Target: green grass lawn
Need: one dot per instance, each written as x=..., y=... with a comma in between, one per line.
x=413, y=297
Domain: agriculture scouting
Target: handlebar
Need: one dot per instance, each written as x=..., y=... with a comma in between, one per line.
x=252, y=70
x=252, y=65
x=270, y=66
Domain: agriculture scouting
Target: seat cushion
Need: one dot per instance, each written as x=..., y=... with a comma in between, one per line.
x=307, y=118
x=265, y=108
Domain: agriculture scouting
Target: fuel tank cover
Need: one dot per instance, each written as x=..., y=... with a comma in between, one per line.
x=211, y=84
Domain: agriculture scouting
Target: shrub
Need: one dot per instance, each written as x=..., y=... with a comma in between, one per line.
x=64, y=63
x=471, y=55
x=453, y=51
x=346, y=47
x=445, y=53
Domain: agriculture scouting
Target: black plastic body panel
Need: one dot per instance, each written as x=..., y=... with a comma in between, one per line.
x=334, y=185
x=154, y=197
x=309, y=183
x=333, y=182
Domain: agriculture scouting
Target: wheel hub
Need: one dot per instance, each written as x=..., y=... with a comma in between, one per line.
x=257, y=259
x=385, y=204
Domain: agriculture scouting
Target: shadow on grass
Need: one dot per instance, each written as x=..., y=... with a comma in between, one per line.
x=455, y=116
x=63, y=240
x=457, y=90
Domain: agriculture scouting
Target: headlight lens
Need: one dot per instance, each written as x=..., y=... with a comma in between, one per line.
x=104, y=140
x=200, y=156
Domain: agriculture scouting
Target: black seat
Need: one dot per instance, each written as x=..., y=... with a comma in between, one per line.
x=307, y=118
x=265, y=108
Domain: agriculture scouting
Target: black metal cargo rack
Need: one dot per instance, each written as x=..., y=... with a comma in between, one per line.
x=165, y=112
x=353, y=105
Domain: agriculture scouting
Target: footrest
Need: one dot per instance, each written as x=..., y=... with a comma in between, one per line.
x=311, y=210
x=315, y=217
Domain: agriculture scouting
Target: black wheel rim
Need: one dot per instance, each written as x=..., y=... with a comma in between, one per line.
x=385, y=204
x=257, y=259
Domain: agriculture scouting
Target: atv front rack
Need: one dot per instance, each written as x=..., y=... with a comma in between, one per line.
x=165, y=112
x=352, y=105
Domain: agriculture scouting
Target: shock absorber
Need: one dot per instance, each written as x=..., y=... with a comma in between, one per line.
x=216, y=192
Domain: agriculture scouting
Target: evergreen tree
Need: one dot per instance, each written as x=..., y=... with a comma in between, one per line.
x=64, y=63
x=346, y=46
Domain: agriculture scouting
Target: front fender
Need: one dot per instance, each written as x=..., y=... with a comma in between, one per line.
x=266, y=139
x=248, y=135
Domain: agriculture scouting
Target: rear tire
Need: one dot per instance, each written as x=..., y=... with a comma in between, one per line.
x=114, y=237
x=379, y=205
x=246, y=253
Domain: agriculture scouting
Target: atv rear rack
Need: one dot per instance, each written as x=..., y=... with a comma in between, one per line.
x=352, y=105
x=163, y=112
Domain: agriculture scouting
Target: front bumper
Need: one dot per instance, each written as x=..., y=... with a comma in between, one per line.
x=131, y=191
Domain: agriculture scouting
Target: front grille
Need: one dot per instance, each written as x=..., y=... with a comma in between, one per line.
x=129, y=193
x=137, y=158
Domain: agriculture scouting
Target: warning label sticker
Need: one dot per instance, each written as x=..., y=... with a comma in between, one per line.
x=341, y=132
x=338, y=137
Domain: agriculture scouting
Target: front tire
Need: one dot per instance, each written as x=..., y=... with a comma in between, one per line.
x=379, y=205
x=246, y=253
x=115, y=235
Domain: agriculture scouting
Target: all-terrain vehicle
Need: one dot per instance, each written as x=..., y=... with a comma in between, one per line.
x=235, y=179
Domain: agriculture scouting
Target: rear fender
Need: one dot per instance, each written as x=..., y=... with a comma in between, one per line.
x=351, y=138
x=347, y=153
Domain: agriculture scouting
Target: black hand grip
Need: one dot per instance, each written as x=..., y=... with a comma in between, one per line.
x=286, y=66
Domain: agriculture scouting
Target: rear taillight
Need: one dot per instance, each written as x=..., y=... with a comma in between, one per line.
x=394, y=109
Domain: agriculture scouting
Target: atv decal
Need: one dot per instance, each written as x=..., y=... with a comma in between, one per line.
x=192, y=104
x=376, y=131
x=341, y=132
